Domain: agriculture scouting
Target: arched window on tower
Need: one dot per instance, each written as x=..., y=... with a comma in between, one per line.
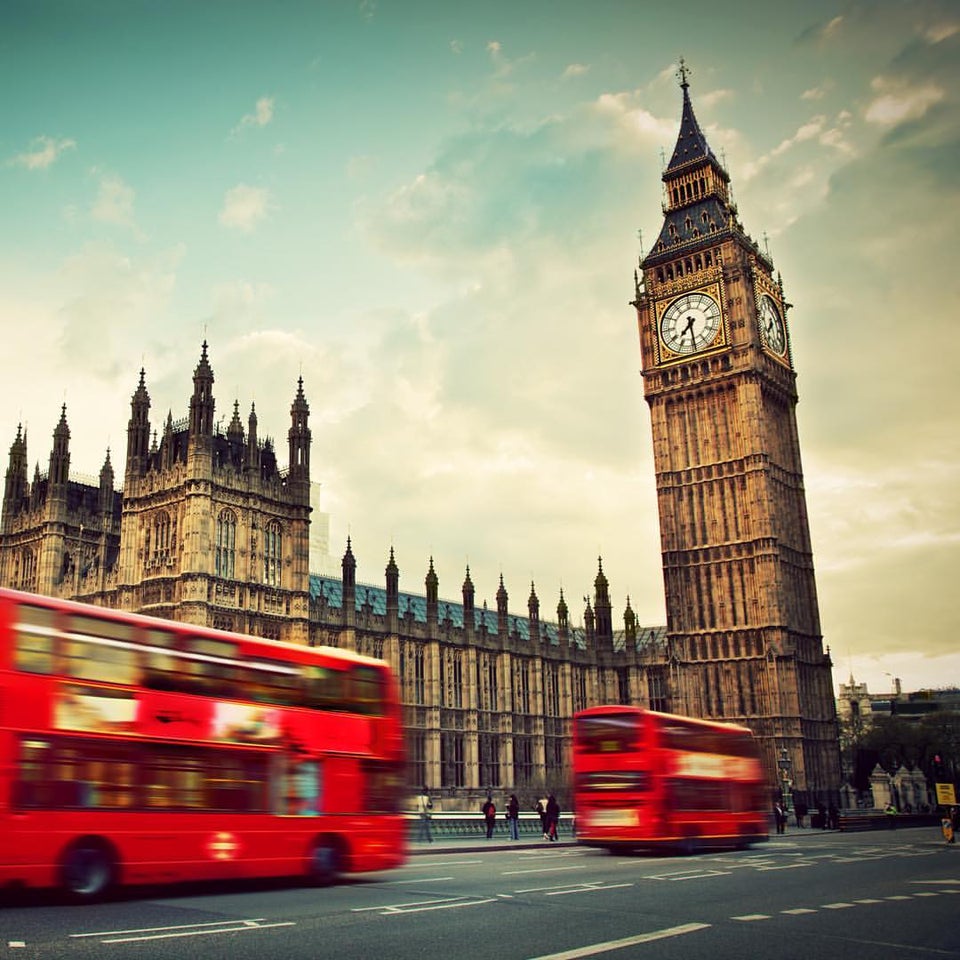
x=226, y=546
x=272, y=553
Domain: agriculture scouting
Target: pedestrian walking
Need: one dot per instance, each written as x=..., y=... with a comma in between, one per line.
x=425, y=812
x=541, y=809
x=489, y=811
x=779, y=817
x=553, y=817
x=513, y=816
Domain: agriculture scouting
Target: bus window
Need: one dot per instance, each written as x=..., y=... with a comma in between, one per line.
x=607, y=733
x=367, y=692
x=35, y=630
x=86, y=658
x=272, y=682
x=214, y=677
x=386, y=786
x=326, y=688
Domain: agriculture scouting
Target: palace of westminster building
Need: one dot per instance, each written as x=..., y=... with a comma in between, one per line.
x=208, y=529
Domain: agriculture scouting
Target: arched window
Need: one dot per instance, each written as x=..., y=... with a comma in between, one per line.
x=161, y=537
x=272, y=553
x=226, y=546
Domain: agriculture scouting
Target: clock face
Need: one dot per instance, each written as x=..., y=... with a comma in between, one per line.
x=772, y=330
x=690, y=323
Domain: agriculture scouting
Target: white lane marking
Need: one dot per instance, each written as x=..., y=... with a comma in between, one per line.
x=513, y=873
x=786, y=866
x=595, y=948
x=396, y=911
x=398, y=906
x=391, y=883
x=587, y=888
x=687, y=874
x=441, y=863
x=868, y=900
x=199, y=933
x=750, y=917
x=797, y=911
x=179, y=926
x=423, y=906
x=927, y=893
x=16, y=943
x=841, y=905
x=899, y=896
x=938, y=883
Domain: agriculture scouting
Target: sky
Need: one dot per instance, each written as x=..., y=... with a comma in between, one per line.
x=432, y=212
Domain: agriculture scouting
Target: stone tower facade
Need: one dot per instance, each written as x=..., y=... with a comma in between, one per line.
x=743, y=627
x=207, y=529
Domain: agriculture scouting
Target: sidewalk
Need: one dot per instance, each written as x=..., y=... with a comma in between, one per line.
x=475, y=844
x=532, y=841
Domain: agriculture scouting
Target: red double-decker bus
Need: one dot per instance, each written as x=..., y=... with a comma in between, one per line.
x=644, y=779
x=136, y=750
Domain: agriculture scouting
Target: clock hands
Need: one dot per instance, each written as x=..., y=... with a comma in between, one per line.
x=693, y=339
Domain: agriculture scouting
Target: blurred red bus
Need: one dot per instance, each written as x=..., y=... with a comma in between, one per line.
x=136, y=750
x=646, y=779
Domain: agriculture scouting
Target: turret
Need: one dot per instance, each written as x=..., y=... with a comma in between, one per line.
x=502, y=598
x=469, y=612
x=533, y=609
x=348, y=568
x=603, y=609
x=60, y=454
x=630, y=627
x=432, y=583
x=202, y=402
x=105, y=499
x=393, y=593
x=299, y=437
x=138, y=429
x=253, y=450
x=15, y=487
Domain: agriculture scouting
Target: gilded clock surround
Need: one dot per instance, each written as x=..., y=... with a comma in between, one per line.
x=715, y=292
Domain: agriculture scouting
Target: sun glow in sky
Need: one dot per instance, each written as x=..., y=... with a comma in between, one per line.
x=433, y=213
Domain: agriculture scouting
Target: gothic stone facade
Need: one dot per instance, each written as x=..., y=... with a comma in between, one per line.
x=208, y=529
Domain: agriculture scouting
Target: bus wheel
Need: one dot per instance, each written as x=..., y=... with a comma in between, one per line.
x=88, y=870
x=689, y=845
x=323, y=865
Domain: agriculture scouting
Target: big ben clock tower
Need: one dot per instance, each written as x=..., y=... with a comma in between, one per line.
x=742, y=618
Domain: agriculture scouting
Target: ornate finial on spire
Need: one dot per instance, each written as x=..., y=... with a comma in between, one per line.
x=682, y=73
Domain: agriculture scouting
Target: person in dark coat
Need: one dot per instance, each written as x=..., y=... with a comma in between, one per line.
x=489, y=810
x=513, y=816
x=553, y=816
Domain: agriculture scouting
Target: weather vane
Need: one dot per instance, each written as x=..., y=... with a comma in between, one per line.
x=682, y=73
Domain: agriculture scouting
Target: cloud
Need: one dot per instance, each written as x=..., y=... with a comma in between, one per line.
x=456, y=46
x=818, y=92
x=941, y=31
x=114, y=202
x=43, y=153
x=575, y=70
x=899, y=100
x=244, y=207
x=261, y=116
